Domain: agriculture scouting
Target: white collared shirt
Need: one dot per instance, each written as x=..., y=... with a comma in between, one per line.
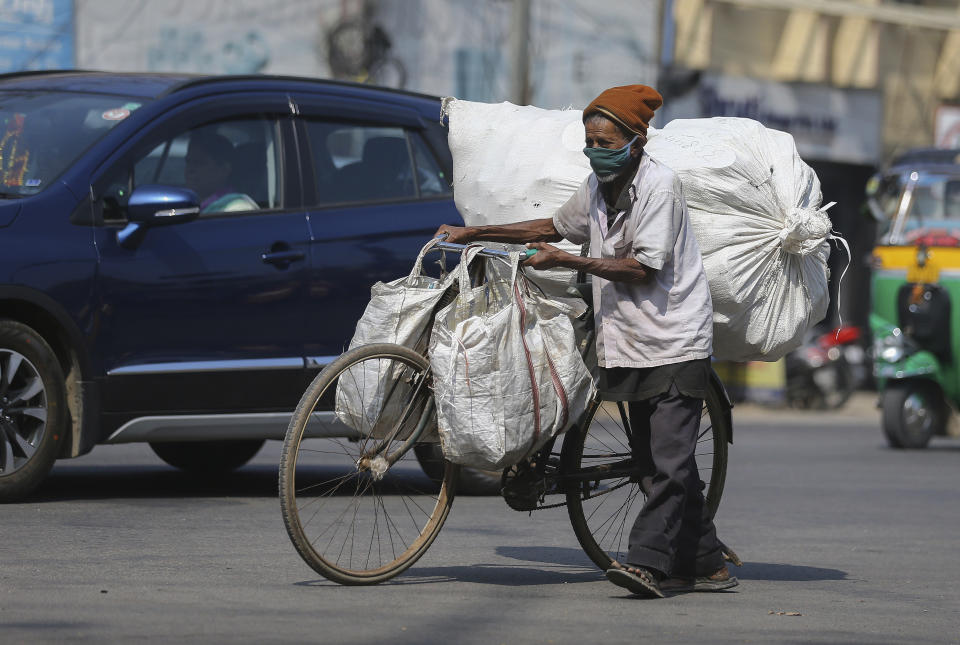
x=667, y=319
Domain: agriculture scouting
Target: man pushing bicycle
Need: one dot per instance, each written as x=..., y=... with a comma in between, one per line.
x=654, y=322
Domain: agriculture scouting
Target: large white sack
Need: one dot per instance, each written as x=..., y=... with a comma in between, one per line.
x=755, y=209
x=753, y=206
x=514, y=163
x=507, y=374
x=371, y=395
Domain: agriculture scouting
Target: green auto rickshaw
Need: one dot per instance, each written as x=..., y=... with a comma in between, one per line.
x=916, y=294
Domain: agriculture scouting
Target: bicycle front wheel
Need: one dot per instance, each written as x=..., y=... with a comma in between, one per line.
x=355, y=503
x=604, y=493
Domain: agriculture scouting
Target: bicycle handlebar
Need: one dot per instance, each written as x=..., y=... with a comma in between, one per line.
x=495, y=253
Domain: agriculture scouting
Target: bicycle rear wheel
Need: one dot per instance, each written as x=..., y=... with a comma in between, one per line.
x=354, y=500
x=602, y=510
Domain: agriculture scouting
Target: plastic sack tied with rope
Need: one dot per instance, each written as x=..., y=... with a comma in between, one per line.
x=755, y=209
x=507, y=376
x=371, y=395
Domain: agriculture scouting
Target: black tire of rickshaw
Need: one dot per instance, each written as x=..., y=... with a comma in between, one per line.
x=572, y=451
x=893, y=399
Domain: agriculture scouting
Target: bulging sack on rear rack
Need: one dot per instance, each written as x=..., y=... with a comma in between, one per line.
x=755, y=210
x=401, y=312
x=754, y=207
x=507, y=375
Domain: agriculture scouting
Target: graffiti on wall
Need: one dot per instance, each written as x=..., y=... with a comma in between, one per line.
x=188, y=49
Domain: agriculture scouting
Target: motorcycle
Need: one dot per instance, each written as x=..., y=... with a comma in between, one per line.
x=824, y=371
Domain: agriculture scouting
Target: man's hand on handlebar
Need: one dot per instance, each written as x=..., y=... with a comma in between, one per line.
x=455, y=234
x=546, y=256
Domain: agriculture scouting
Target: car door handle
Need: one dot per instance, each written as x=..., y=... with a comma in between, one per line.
x=282, y=257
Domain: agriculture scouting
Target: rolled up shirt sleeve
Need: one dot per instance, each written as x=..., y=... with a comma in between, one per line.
x=572, y=220
x=656, y=232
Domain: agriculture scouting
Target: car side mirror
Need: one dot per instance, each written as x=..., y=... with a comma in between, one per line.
x=154, y=205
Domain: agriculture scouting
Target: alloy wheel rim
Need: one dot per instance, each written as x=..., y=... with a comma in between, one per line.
x=23, y=411
x=917, y=417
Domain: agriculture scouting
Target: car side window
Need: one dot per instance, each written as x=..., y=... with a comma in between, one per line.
x=232, y=165
x=364, y=163
x=430, y=176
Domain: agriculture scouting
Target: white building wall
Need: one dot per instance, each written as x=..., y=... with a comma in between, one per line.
x=578, y=47
x=445, y=47
x=207, y=36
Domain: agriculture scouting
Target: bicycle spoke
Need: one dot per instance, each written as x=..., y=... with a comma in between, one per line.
x=627, y=507
x=391, y=526
x=611, y=520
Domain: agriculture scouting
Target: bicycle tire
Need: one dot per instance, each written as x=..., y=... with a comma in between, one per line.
x=321, y=477
x=604, y=537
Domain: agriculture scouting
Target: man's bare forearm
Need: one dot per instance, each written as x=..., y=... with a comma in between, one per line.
x=612, y=269
x=537, y=230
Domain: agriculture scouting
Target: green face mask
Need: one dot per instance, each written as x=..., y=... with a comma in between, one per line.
x=606, y=162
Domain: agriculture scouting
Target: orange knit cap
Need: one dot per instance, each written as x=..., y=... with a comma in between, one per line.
x=631, y=106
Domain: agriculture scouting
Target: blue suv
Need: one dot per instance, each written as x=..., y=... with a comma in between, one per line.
x=181, y=254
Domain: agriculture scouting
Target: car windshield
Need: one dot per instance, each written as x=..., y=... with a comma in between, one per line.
x=934, y=200
x=42, y=133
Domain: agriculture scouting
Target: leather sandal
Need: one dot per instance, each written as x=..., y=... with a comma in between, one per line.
x=637, y=580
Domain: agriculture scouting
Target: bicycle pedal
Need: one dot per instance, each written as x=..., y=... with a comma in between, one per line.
x=522, y=500
x=523, y=489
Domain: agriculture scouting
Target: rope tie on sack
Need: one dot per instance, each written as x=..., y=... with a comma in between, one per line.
x=803, y=231
x=805, y=228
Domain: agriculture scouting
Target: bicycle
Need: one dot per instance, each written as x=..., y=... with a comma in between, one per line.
x=347, y=484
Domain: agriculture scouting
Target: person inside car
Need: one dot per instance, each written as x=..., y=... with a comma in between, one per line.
x=208, y=170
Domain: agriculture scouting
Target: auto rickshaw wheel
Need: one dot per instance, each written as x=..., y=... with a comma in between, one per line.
x=913, y=411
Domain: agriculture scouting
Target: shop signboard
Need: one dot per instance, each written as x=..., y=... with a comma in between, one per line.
x=828, y=123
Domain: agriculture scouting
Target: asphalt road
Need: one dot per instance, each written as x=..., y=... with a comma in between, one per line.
x=858, y=540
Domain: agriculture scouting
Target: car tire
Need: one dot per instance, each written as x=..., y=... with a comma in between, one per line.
x=207, y=457
x=33, y=410
x=913, y=411
x=470, y=481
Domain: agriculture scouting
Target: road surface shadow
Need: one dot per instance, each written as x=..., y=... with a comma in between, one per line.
x=773, y=571
x=80, y=482
x=569, y=565
x=785, y=572
x=953, y=446
x=486, y=574
x=520, y=576
x=569, y=556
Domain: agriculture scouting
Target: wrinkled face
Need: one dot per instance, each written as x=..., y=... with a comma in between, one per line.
x=203, y=174
x=604, y=133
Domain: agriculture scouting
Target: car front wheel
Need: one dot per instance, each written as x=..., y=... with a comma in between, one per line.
x=470, y=481
x=207, y=457
x=33, y=410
